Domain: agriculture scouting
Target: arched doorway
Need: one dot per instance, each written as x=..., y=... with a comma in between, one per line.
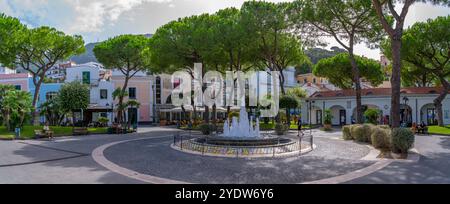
x=364, y=109
x=428, y=114
x=406, y=115
x=339, y=115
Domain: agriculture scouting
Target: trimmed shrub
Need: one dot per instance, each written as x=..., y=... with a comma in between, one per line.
x=402, y=139
x=206, y=129
x=386, y=127
x=347, y=132
x=368, y=130
x=362, y=133
x=381, y=138
x=281, y=129
x=358, y=133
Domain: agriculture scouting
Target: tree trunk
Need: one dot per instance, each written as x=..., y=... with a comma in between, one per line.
x=288, y=116
x=396, y=79
x=438, y=101
x=7, y=121
x=37, y=89
x=357, y=81
x=120, y=112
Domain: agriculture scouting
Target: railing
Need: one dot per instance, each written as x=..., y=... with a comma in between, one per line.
x=188, y=142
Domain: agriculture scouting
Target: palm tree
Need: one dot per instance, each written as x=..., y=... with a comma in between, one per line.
x=118, y=93
x=15, y=105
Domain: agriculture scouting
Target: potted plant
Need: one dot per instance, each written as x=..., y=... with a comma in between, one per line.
x=327, y=120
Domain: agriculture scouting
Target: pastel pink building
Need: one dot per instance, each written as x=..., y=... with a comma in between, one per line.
x=20, y=81
x=139, y=89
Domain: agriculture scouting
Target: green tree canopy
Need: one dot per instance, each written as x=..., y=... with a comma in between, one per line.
x=339, y=72
x=36, y=50
x=388, y=10
x=277, y=48
x=130, y=54
x=425, y=51
x=11, y=36
x=73, y=97
x=349, y=22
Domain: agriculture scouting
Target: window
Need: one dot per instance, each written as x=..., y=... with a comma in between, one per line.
x=103, y=94
x=447, y=114
x=86, y=77
x=50, y=95
x=18, y=87
x=305, y=81
x=314, y=80
x=132, y=93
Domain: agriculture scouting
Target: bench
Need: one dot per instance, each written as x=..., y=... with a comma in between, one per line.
x=41, y=133
x=80, y=131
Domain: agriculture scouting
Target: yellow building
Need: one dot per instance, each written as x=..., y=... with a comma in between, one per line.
x=310, y=78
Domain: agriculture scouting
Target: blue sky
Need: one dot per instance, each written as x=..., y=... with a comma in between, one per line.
x=97, y=20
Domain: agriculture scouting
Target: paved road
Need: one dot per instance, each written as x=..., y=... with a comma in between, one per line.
x=432, y=168
x=65, y=160
x=68, y=160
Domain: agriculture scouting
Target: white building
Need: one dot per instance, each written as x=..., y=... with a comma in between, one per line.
x=58, y=72
x=101, y=89
x=6, y=70
x=417, y=105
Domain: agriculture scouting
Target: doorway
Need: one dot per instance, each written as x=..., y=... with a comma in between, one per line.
x=319, y=117
x=342, y=117
x=133, y=116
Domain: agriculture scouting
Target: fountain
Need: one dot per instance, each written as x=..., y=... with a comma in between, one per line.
x=242, y=129
x=242, y=138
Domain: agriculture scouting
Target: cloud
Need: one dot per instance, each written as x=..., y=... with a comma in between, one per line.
x=93, y=15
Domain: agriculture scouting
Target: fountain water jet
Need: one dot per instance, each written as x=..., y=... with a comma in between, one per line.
x=243, y=128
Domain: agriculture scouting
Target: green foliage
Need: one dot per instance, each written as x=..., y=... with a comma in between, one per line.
x=53, y=111
x=288, y=102
x=15, y=107
x=128, y=53
x=104, y=121
x=372, y=115
x=37, y=50
x=74, y=96
x=298, y=93
x=381, y=138
x=347, y=132
x=233, y=114
x=317, y=54
x=281, y=129
x=337, y=70
x=206, y=129
x=362, y=133
x=11, y=35
x=328, y=117
x=402, y=140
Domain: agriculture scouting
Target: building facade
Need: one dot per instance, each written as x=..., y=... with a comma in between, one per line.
x=139, y=89
x=416, y=106
x=101, y=89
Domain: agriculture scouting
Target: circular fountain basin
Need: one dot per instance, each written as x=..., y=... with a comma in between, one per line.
x=243, y=141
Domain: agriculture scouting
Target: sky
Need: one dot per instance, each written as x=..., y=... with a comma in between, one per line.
x=98, y=20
